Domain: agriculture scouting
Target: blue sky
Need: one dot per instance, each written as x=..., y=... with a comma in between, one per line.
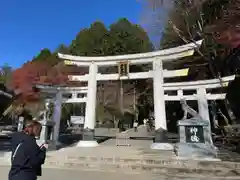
x=27, y=26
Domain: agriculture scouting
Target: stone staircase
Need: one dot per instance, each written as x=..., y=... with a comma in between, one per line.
x=141, y=132
x=140, y=160
x=226, y=155
x=131, y=160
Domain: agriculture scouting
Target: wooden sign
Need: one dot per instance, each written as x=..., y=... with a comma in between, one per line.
x=68, y=62
x=123, y=68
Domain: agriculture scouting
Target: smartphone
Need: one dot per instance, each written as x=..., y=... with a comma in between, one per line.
x=42, y=145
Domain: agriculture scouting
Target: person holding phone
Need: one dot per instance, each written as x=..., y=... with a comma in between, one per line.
x=27, y=156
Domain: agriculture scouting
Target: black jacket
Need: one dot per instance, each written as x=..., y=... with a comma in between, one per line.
x=26, y=165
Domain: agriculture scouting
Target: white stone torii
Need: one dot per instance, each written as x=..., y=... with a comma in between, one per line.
x=201, y=85
x=179, y=87
x=74, y=91
x=201, y=96
x=58, y=100
x=156, y=58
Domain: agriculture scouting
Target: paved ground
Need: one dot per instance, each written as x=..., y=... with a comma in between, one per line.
x=64, y=174
x=60, y=174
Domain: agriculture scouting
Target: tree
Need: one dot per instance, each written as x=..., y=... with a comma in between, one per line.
x=122, y=37
x=210, y=20
x=43, y=55
x=62, y=49
x=90, y=41
x=129, y=38
x=192, y=20
x=26, y=77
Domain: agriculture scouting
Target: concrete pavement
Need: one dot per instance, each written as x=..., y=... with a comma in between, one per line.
x=67, y=174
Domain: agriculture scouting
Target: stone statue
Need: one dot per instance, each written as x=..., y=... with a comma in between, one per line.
x=46, y=113
x=188, y=110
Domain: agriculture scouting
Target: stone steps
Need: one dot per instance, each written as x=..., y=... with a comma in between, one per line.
x=226, y=155
x=139, y=160
x=153, y=166
x=153, y=175
x=154, y=170
x=130, y=160
x=173, y=162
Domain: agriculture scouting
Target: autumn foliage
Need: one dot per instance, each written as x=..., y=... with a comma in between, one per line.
x=121, y=37
x=25, y=77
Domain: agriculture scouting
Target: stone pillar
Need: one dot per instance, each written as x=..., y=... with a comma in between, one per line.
x=159, y=108
x=90, y=116
x=203, y=109
x=57, y=116
x=203, y=104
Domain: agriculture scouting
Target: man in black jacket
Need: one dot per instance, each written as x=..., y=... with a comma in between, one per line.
x=27, y=156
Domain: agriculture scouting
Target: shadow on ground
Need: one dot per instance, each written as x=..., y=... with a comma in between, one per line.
x=68, y=140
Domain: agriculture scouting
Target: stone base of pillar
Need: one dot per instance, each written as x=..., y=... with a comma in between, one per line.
x=161, y=136
x=161, y=141
x=88, y=135
x=87, y=139
x=162, y=146
x=87, y=144
x=58, y=144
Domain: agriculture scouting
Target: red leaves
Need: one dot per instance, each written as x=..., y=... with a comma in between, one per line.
x=230, y=37
x=36, y=72
x=58, y=75
x=25, y=77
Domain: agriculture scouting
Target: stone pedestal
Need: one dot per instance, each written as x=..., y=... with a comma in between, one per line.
x=87, y=139
x=161, y=140
x=87, y=144
x=57, y=117
x=88, y=135
x=195, y=140
x=47, y=134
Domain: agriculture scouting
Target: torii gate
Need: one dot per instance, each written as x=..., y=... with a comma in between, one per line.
x=56, y=94
x=158, y=74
